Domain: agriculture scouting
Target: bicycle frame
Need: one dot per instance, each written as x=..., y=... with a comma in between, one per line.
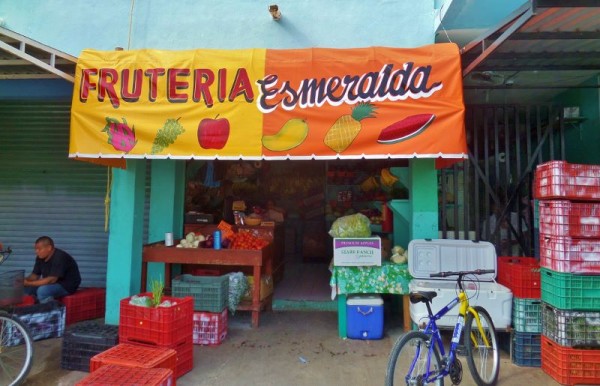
x=436, y=339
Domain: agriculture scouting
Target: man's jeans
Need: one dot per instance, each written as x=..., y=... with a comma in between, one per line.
x=47, y=292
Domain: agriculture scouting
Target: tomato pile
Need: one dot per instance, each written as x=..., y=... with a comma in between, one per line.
x=245, y=240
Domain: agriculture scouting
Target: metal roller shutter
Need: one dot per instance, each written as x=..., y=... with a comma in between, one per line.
x=42, y=192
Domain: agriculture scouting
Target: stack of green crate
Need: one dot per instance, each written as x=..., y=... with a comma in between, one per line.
x=569, y=210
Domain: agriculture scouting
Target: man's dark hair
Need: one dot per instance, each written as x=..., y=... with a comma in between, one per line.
x=45, y=240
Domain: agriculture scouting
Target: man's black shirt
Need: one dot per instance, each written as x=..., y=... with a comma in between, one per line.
x=63, y=266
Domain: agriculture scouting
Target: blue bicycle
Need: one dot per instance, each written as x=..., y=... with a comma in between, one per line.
x=16, y=344
x=418, y=357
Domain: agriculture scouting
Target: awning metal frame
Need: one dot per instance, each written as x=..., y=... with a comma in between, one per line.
x=30, y=52
x=509, y=29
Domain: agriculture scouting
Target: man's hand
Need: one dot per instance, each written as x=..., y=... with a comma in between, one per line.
x=39, y=282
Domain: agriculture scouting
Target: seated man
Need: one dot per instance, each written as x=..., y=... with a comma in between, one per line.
x=55, y=273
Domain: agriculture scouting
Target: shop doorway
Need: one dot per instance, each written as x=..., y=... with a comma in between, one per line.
x=490, y=195
x=303, y=198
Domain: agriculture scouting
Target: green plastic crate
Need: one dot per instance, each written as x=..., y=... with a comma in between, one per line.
x=527, y=315
x=569, y=291
x=210, y=293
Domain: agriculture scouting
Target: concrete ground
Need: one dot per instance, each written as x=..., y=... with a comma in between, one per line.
x=289, y=348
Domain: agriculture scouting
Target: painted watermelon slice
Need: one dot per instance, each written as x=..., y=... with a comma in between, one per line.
x=405, y=129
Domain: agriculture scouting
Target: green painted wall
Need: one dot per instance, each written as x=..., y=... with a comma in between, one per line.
x=423, y=199
x=582, y=139
x=126, y=231
x=167, y=190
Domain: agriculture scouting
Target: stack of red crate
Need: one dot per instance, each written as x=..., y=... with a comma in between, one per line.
x=167, y=327
x=121, y=375
x=569, y=211
x=522, y=276
x=132, y=364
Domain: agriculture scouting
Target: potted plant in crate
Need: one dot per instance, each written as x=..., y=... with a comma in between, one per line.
x=156, y=319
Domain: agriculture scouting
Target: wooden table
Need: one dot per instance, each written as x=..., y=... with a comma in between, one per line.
x=259, y=260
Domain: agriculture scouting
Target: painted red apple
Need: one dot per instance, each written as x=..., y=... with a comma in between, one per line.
x=213, y=133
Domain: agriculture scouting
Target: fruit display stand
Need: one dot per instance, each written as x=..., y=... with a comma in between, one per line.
x=274, y=233
x=259, y=260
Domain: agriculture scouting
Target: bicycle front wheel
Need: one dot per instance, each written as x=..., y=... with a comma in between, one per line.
x=483, y=359
x=407, y=364
x=16, y=350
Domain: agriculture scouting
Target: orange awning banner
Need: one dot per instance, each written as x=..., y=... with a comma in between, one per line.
x=264, y=104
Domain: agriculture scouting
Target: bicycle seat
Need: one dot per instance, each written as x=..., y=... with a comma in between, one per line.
x=421, y=296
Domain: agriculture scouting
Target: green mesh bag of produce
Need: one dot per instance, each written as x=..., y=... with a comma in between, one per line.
x=238, y=285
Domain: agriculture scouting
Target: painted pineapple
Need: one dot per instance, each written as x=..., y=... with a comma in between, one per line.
x=346, y=128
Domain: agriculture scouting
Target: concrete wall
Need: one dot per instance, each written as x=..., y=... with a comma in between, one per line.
x=71, y=26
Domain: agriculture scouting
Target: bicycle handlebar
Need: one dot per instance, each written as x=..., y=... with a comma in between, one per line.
x=4, y=253
x=462, y=273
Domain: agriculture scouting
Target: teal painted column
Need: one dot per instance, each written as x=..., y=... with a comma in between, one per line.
x=423, y=199
x=126, y=231
x=167, y=191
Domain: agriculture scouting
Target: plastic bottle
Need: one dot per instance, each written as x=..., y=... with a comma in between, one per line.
x=217, y=239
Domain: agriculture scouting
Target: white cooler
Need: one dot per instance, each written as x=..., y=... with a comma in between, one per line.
x=433, y=256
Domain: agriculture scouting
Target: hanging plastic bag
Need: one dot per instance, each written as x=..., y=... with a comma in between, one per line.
x=354, y=225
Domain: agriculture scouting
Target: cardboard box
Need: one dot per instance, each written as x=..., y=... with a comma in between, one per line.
x=357, y=251
x=199, y=218
x=266, y=287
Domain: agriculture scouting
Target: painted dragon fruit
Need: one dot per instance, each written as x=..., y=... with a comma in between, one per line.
x=120, y=135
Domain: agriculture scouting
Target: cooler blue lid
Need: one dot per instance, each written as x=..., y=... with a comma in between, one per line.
x=364, y=300
x=427, y=256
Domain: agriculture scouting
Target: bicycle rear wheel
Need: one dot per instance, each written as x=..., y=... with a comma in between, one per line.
x=483, y=360
x=407, y=364
x=16, y=350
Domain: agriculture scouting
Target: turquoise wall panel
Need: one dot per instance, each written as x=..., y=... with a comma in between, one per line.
x=71, y=26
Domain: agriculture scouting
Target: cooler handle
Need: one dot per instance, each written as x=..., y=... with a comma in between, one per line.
x=365, y=313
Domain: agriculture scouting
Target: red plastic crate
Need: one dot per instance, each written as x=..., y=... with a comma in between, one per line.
x=210, y=328
x=161, y=326
x=521, y=275
x=566, y=218
x=184, y=353
x=185, y=358
x=566, y=254
x=570, y=366
x=114, y=375
x=560, y=179
x=130, y=355
x=85, y=304
x=26, y=300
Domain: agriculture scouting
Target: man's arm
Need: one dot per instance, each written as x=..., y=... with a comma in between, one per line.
x=35, y=282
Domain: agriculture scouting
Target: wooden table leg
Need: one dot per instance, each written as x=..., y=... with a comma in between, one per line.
x=256, y=296
x=144, y=277
x=406, y=313
x=342, y=315
x=168, y=278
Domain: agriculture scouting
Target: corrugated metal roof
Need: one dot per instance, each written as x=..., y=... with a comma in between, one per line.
x=543, y=48
x=24, y=58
